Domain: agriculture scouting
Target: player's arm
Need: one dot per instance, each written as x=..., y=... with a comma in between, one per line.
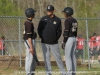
x=76, y=30
x=31, y=45
x=29, y=36
x=59, y=30
x=66, y=31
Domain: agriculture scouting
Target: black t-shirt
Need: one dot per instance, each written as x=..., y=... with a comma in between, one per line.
x=28, y=30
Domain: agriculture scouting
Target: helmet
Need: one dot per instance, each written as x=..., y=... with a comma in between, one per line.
x=30, y=12
x=68, y=11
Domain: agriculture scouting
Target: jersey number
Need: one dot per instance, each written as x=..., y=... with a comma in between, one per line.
x=81, y=43
x=74, y=27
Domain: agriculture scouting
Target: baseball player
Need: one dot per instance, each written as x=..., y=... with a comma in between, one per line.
x=93, y=52
x=2, y=45
x=80, y=46
x=70, y=33
x=29, y=36
x=90, y=46
x=49, y=31
x=98, y=47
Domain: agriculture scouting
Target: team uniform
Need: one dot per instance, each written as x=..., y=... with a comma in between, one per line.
x=93, y=42
x=71, y=28
x=90, y=47
x=79, y=47
x=30, y=62
x=70, y=33
x=49, y=31
x=98, y=44
x=29, y=32
x=2, y=47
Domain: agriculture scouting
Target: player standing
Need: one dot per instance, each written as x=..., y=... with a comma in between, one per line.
x=70, y=33
x=29, y=36
x=93, y=52
x=90, y=46
x=49, y=31
x=98, y=47
x=2, y=45
x=80, y=46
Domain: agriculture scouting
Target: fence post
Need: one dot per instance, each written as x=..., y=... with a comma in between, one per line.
x=87, y=36
x=19, y=42
x=83, y=59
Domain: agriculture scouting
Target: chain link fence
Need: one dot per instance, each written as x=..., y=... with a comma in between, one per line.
x=12, y=29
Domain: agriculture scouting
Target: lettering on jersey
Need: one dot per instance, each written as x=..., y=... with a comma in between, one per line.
x=81, y=42
x=54, y=22
x=74, y=27
x=45, y=19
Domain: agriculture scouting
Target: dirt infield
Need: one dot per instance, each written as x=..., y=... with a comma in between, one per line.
x=14, y=62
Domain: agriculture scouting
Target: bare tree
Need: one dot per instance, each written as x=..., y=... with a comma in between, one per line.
x=41, y=4
x=74, y=8
x=12, y=1
x=33, y=3
x=66, y=3
x=85, y=9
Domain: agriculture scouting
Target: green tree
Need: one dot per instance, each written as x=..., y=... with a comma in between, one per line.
x=8, y=8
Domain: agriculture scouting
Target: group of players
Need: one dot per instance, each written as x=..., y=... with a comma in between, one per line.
x=94, y=46
x=49, y=31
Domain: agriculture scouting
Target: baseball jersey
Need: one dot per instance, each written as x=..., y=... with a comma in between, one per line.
x=2, y=47
x=28, y=30
x=90, y=44
x=98, y=41
x=80, y=43
x=71, y=26
x=93, y=40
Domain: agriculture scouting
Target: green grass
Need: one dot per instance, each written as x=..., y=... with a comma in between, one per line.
x=21, y=71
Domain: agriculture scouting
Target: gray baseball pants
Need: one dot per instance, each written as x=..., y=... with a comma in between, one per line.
x=56, y=52
x=70, y=55
x=30, y=62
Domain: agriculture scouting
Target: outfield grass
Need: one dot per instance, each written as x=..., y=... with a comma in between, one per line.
x=80, y=71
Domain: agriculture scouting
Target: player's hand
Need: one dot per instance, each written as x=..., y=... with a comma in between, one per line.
x=31, y=51
x=63, y=45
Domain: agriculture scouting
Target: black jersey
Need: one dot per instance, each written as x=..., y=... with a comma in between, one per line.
x=71, y=26
x=28, y=30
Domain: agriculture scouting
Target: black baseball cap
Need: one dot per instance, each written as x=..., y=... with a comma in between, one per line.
x=50, y=8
